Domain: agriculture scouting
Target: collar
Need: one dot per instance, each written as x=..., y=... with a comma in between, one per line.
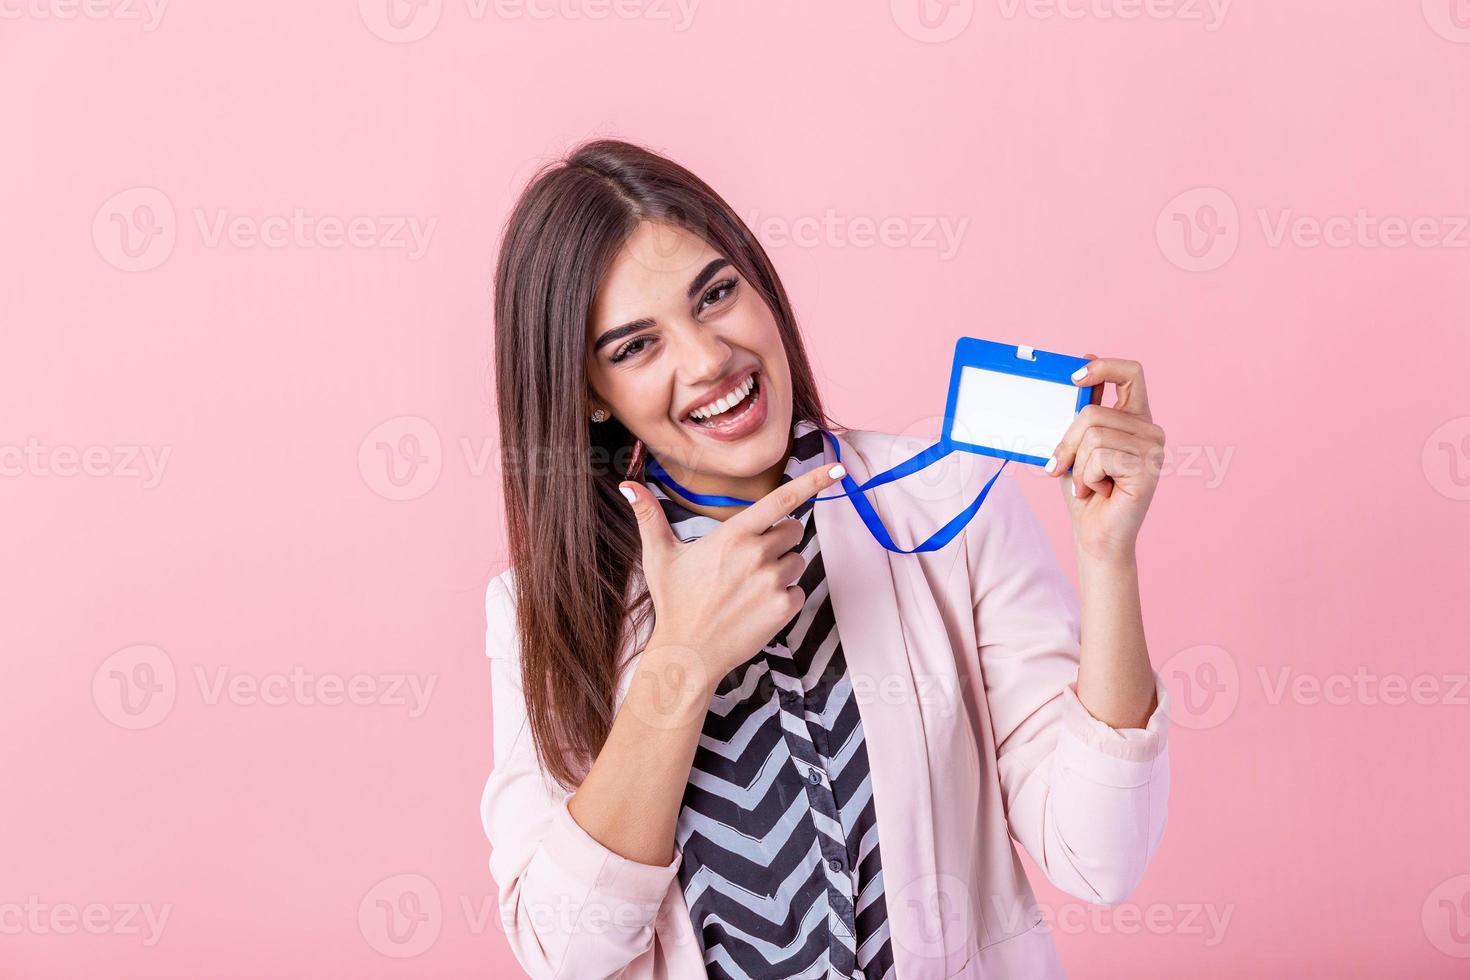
x=807, y=451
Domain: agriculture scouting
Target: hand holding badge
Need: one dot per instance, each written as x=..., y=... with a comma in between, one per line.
x=1115, y=454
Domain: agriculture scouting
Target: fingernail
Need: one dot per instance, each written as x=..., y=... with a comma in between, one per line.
x=1079, y=374
x=837, y=472
x=628, y=493
x=1074, y=488
x=1051, y=464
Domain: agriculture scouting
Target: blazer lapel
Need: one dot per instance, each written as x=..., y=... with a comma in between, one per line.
x=860, y=578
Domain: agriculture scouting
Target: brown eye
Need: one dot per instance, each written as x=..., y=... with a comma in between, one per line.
x=631, y=348
x=717, y=292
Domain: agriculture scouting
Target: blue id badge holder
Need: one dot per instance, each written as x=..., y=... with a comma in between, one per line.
x=1011, y=402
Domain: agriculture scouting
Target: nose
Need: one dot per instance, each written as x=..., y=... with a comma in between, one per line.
x=703, y=353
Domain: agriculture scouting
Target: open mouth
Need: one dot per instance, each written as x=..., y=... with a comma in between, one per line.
x=730, y=409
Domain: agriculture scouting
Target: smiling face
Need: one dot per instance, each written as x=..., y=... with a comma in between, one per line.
x=685, y=353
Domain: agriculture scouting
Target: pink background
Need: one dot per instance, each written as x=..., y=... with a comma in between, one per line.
x=1310, y=530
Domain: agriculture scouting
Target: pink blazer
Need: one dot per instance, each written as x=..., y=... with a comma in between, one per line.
x=964, y=663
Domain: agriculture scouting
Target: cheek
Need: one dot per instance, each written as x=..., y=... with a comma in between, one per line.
x=775, y=357
x=639, y=398
x=763, y=336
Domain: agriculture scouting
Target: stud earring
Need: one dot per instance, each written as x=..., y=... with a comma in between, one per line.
x=599, y=416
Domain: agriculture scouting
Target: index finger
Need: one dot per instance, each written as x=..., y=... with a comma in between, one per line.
x=787, y=497
x=1127, y=377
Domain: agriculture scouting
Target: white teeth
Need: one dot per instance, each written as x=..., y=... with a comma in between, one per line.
x=725, y=404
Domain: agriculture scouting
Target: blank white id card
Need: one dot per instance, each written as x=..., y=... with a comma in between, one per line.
x=1010, y=401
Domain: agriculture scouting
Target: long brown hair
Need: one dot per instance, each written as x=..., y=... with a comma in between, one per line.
x=574, y=544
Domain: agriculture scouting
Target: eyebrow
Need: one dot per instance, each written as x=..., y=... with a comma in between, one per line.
x=643, y=323
x=618, y=333
x=706, y=274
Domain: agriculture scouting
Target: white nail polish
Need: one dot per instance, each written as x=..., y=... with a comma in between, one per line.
x=1074, y=488
x=1051, y=464
x=837, y=472
x=627, y=492
x=1079, y=374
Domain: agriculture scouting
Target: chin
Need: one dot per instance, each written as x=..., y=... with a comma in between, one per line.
x=767, y=448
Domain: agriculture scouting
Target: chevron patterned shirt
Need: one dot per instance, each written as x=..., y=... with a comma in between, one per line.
x=781, y=869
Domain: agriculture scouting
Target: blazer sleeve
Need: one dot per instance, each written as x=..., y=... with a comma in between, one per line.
x=1088, y=802
x=570, y=907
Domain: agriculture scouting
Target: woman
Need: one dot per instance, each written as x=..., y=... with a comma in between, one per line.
x=746, y=740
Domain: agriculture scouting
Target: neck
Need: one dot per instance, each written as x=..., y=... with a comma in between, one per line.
x=747, y=487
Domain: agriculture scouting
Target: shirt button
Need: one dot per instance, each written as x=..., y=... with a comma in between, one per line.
x=814, y=776
x=835, y=864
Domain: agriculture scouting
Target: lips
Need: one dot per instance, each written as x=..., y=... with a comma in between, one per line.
x=746, y=411
x=709, y=403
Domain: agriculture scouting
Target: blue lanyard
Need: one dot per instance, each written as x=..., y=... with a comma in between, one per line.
x=858, y=495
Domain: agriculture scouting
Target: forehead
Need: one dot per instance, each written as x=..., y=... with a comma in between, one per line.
x=652, y=270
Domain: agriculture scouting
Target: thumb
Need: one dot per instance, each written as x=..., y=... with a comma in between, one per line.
x=653, y=526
